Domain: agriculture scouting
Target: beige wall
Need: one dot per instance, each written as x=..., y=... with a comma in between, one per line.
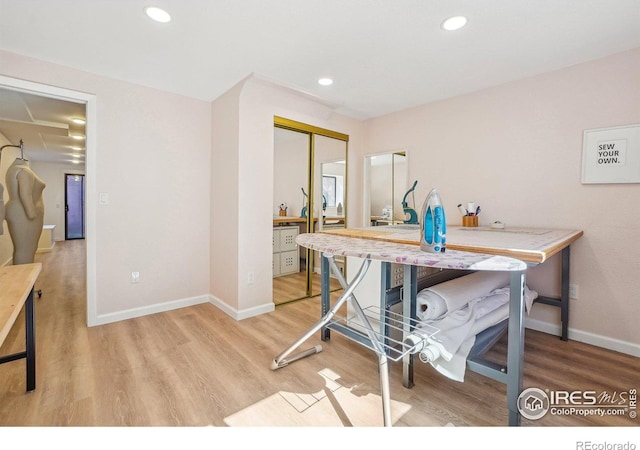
x=151, y=155
x=516, y=150
x=224, y=216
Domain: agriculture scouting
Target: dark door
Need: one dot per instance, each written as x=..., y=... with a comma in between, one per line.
x=74, y=206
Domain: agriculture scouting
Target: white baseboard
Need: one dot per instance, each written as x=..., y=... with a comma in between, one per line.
x=243, y=314
x=182, y=303
x=617, y=345
x=151, y=309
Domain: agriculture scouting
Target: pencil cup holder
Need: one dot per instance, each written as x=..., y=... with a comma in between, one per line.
x=469, y=221
x=283, y=212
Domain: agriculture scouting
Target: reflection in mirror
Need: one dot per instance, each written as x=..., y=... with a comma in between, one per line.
x=290, y=163
x=330, y=172
x=386, y=184
x=290, y=175
x=330, y=175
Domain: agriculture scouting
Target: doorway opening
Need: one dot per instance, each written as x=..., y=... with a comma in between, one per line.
x=74, y=195
x=90, y=102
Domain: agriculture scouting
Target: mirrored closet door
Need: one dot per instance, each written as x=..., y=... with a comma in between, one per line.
x=310, y=187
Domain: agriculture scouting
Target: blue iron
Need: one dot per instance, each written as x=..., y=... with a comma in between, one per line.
x=433, y=229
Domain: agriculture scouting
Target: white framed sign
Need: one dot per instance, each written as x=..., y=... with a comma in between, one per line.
x=611, y=155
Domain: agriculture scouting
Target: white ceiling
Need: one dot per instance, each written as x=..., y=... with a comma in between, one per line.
x=45, y=126
x=384, y=55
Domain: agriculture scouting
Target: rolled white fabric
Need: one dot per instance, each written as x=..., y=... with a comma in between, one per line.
x=436, y=301
x=439, y=352
x=429, y=354
x=448, y=349
x=430, y=306
x=477, y=316
x=502, y=295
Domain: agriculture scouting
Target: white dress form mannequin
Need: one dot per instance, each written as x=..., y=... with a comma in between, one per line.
x=24, y=210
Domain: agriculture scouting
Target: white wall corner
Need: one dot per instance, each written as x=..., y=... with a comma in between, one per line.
x=244, y=313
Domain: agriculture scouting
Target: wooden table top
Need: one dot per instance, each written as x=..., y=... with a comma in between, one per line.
x=16, y=283
x=533, y=245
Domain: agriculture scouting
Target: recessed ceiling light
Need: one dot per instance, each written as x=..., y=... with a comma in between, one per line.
x=325, y=81
x=78, y=120
x=157, y=14
x=454, y=23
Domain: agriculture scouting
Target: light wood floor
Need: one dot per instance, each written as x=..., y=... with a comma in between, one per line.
x=198, y=367
x=292, y=287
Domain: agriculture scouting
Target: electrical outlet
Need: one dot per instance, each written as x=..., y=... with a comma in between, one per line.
x=250, y=278
x=573, y=291
x=135, y=277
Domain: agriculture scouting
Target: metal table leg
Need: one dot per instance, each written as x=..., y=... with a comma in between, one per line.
x=30, y=341
x=409, y=294
x=325, y=294
x=30, y=331
x=515, y=350
x=564, y=294
x=563, y=301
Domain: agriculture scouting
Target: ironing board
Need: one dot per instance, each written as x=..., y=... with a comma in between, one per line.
x=361, y=328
